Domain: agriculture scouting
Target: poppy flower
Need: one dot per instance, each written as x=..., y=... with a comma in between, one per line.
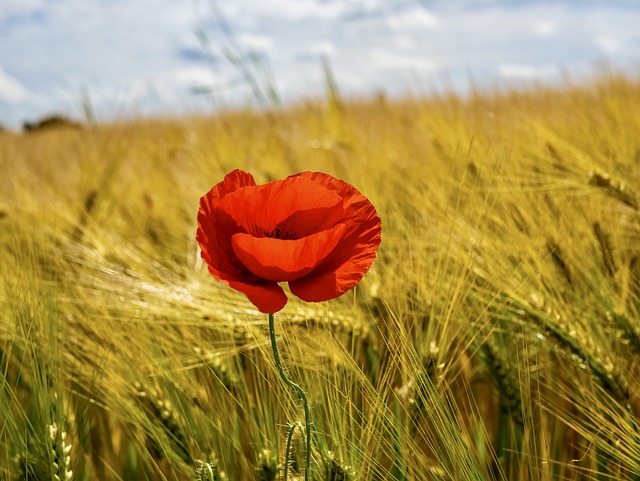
x=311, y=230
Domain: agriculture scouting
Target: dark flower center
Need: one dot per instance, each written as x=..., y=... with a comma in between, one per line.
x=279, y=233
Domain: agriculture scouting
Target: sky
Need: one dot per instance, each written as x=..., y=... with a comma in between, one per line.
x=118, y=59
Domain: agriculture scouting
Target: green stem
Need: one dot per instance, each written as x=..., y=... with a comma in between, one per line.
x=299, y=390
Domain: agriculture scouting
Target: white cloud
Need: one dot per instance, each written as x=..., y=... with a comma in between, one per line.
x=17, y=7
x=390, y=60
x=193, y=76
x=286, y=9
x=404, y=42
x=11, y=90
x=526, y=71
x=256, y=43
x=544, y=28
x=322, y=47
x=416, y=17
x=146, y=51
x=607, y=43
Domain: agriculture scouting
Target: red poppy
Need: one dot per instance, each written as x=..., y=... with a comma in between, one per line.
x=311, y=230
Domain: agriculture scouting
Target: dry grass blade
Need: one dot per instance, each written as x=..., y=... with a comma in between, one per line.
x=495, y=338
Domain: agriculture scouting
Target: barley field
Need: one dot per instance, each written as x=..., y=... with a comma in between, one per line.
x=497, y=336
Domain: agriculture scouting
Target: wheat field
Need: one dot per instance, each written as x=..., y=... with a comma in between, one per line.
x=497, y=336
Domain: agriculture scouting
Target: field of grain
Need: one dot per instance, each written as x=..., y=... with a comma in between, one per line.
x=497, y=336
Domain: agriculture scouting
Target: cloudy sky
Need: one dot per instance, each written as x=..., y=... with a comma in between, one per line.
x=127, y=58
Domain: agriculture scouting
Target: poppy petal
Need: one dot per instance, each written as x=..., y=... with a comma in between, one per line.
x=232, y=181
x=289, y=208
x=281, y=260
x=349, y=194
x=312, y=230
x=268, y=297
x=215, y=228
x=326, y=284
x=355, y=253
